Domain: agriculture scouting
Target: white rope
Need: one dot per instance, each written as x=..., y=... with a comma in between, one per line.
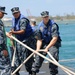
x=22, y=64
x=58, y=63
x=40, y=54
x=60, y=60
x=64, y=60
x=13, y=59
x=70, y=68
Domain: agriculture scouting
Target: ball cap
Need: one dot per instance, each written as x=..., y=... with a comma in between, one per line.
x=45, y=13
x=2, y=9
x=33, y=20
x=15, y=10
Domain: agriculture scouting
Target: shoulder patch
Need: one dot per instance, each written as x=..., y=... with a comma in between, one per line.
x=41, y=28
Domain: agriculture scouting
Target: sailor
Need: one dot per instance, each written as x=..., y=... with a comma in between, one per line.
x=33, y=24
x=49, y=40
x=4, y=56
x=23, y=31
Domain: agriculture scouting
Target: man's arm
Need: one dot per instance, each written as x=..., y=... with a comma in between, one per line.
x=38, y=45
x=17, y=32
x=52, y=42
x=23, y=24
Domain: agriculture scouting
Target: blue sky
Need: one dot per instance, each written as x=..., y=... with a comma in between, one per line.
x=55, y=7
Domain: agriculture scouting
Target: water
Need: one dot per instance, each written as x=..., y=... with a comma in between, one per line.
x=67, y=51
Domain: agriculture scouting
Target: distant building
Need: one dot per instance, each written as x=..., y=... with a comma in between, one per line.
x=7, y=21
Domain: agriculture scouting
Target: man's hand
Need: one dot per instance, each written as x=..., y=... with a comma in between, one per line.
x=46, y=50
x=9, y=34
x=5, y=53
x=37, y=50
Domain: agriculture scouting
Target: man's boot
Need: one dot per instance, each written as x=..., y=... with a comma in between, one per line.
x=13, y=69
x=17, y=73
x=30, y=73
x=33, y=73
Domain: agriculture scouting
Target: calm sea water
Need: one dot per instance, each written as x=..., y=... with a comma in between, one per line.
x=67, y=51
